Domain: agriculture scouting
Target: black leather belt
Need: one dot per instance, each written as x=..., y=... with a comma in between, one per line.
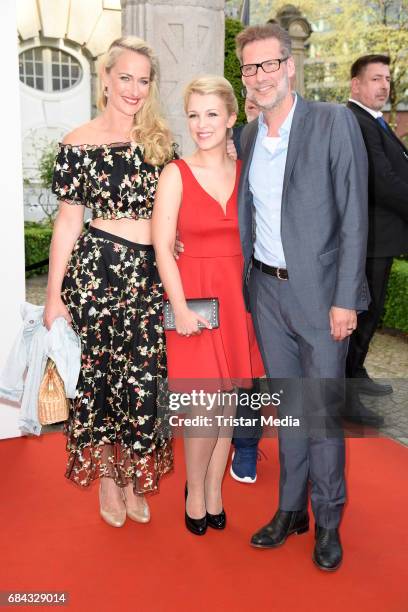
x=280, y=273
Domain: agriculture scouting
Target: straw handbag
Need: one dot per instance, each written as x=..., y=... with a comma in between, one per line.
x=53, y=406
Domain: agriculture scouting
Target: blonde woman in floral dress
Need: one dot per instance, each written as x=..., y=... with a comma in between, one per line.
x=104, y=281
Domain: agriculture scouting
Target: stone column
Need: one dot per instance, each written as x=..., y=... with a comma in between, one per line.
x=299, y=29
x=188, y=38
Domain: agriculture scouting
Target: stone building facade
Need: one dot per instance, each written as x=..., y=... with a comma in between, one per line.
x=188, y=36
x=59, y=43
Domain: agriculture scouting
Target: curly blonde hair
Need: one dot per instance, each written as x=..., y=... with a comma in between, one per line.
x=149, y=126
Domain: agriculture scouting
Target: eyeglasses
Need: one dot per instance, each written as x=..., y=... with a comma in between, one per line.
x=248, y=70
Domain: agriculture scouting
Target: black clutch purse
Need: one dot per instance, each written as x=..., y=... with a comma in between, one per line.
x=205, y=307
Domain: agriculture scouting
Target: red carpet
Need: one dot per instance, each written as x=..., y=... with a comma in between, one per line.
x=54, y=540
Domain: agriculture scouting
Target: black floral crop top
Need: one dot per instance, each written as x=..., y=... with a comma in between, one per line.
x=112, y=180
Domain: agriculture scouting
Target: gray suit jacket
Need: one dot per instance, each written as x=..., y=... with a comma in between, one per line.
x=324, y=209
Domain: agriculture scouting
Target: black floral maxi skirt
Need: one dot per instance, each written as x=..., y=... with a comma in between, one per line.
x=118, y=424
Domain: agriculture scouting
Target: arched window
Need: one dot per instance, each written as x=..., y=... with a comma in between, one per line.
x=49, y=69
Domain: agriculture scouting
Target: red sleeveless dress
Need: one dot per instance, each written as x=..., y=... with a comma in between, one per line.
x=212, y=266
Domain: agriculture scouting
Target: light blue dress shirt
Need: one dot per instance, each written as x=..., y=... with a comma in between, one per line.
x=266, y=183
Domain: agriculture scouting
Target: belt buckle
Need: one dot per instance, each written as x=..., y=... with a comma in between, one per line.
x=278, y=274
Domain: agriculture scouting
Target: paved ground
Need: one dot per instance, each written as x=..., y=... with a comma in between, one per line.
x=35, y=289
x=387, y=361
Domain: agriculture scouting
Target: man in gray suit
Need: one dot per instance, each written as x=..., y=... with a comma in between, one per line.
x=303, y=224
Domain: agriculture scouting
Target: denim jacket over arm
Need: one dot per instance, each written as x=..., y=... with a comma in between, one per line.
x=32, y=347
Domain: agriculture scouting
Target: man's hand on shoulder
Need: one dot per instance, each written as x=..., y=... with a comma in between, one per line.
x=231, y=150
x=343, y=321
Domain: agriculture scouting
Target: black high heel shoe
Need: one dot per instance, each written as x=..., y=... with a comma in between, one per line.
x=217, y=521
x=196, y=526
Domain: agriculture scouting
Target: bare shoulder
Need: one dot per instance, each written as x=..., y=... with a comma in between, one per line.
x=170, y=187
x=170, y=174
x=84, y=134
x=192, y=162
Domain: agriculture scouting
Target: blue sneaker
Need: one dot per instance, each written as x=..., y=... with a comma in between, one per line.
x=243, y=466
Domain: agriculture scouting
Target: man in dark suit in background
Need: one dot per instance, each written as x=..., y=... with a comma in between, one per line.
x=246, y=439
x=251, y=113
x=388, y=215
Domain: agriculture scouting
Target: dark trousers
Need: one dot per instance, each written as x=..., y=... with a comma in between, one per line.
x=377, y=272
x=307, y=366
x=248, y=436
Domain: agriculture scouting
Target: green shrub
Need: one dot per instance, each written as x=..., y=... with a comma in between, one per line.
x=37, y=240
x=396, y=305
x=231, y=63
x=46, y=164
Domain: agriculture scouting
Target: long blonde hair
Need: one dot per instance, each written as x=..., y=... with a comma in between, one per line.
x=149, y=126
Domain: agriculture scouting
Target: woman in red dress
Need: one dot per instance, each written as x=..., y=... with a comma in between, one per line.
x=197, y=197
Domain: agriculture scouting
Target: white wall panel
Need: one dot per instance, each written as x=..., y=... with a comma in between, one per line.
x=11, y=189
x=83, y=17
x=54, y=17
x=28, y=20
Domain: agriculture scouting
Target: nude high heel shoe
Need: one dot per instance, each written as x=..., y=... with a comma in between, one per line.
x=141, y=515
x=115, y=518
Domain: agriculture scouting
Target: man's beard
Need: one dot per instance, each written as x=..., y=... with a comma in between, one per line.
x=281, y=93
